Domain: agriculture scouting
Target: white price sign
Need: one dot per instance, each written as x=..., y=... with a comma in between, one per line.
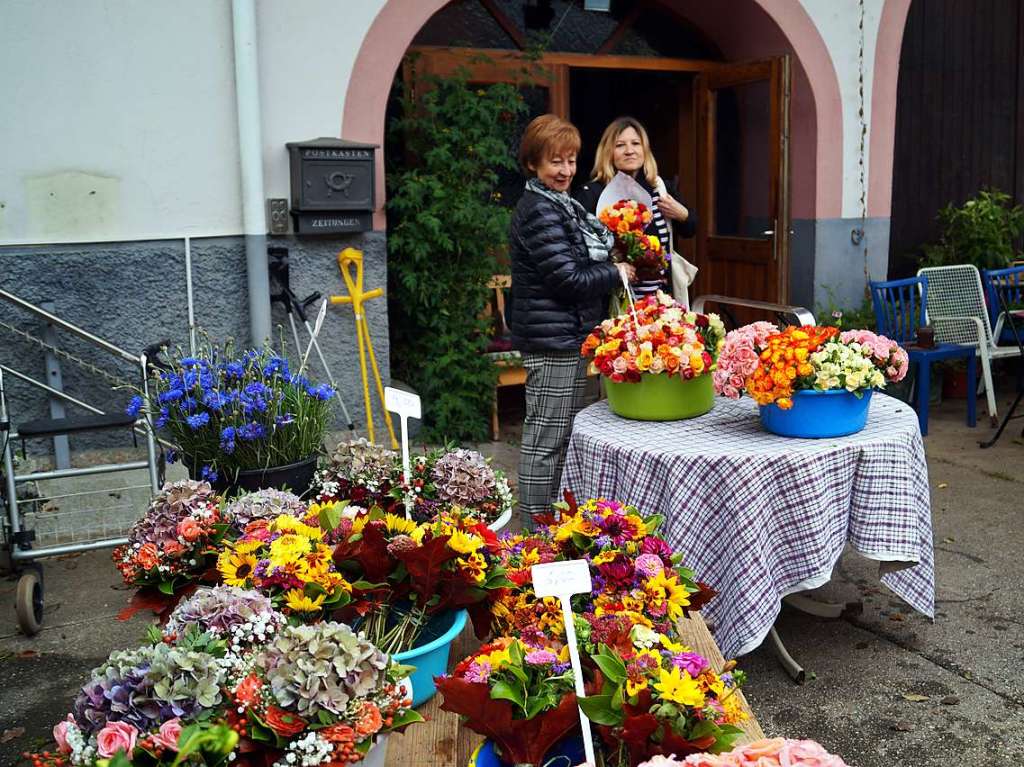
x=407, y=405
x=562, y=580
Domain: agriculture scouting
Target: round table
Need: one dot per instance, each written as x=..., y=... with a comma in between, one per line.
x=759, y=516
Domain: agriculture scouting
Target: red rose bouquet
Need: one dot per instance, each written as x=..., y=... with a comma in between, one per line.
x=627, y=220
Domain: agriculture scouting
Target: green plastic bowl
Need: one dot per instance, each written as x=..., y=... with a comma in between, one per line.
x=661, y=398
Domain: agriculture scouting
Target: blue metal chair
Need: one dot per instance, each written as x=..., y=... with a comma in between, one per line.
x=1002, y=285
x=899, y=311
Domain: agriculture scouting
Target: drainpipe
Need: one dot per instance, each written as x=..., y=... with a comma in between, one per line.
x=250, y=155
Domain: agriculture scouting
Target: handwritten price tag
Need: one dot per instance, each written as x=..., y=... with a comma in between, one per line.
x=562, y=580
x=407, y=405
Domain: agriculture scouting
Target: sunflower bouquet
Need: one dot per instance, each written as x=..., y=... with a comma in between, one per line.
x=289, y=561
x=403, y=572
x=637, y=577
x=658, y=697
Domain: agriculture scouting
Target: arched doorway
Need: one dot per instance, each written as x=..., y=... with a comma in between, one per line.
x=750, y=29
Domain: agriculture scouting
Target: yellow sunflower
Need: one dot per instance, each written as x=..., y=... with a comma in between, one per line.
x=288, y=549
x=464, y=543
x=236, y=568
x=397, y=525
x=297, y=601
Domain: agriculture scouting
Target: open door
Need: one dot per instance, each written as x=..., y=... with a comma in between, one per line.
x=742, y=177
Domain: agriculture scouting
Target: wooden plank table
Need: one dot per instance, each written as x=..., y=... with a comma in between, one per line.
x=442, y=742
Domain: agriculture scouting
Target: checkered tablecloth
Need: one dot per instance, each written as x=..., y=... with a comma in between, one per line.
x=760, y=516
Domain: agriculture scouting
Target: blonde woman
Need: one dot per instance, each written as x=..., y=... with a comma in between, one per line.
x=624, y=147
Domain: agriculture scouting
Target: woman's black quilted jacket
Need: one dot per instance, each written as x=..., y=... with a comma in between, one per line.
x=558, y=294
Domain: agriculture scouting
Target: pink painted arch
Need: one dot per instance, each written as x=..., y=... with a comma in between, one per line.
x=751, y=29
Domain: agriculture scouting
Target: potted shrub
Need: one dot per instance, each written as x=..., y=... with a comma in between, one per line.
x=241, y=422
x=983, y=231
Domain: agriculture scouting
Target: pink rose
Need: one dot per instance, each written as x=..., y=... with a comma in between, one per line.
x=168, y=735
x=60, y=734
x=807, y=753
x=116, y=736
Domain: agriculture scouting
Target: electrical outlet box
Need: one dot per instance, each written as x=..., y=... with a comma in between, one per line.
x=277, y=215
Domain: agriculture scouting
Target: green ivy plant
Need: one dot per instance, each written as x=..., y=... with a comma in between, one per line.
x=446, y=227
x=983, y=231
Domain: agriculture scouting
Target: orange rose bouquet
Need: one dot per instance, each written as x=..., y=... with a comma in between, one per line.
x=662, y=337
x=627, y=220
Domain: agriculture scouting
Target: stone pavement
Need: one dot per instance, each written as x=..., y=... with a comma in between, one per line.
x=888, y=686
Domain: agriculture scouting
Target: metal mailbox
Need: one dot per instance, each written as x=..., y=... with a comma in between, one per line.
x=333, y=185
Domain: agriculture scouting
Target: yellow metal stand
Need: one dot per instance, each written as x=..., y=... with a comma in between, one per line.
x=348, y=259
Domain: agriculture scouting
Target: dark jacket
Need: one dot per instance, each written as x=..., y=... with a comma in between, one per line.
x=558, y=294
x=590, y=193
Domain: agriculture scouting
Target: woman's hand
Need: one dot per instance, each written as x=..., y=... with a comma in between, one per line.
x=626, y=271
x=670, y=207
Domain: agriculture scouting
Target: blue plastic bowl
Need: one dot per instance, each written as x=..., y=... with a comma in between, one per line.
x=431, y=658
x=818, y=414
x=566, y=753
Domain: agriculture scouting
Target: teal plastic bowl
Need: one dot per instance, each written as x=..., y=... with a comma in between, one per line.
x=818, y=414
x=431, y=658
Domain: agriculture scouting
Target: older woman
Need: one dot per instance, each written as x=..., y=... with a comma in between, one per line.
x=561, y=279
x=624, y=147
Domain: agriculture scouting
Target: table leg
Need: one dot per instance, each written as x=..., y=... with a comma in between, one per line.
x=794, y=669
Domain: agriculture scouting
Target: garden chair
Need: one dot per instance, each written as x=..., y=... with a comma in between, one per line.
x=508, y=361
x=956, y=309
x=1005, y=293
x=899, y=311
x=1013, y=277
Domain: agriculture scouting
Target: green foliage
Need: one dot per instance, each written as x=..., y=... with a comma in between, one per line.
x=856, y=318
x=982, y=232
x=446, y=227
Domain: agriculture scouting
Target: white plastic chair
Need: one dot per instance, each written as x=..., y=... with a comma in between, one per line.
x=956, y=310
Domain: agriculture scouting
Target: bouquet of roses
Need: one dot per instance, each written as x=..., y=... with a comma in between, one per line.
x=517, y=692
x=661, y=336
x=172, y=547
x=660, y=698
x=770, y=365
x=316, y=695
x=627, y=220
x=773, y=752
x=288, y=560
x=403, y=572
x=636, y=575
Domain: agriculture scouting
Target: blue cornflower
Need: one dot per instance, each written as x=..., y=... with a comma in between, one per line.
x=284, y=420
x=208, y=473
x=163, y=418
x=215, y=400
x=134, y=406
x=276, y=365
x=234, y=369
x=252, y=431
x=198, y=421
x=190, y=378
x=299, y=380
x=171, y=455
x=171, y=395
x=255, y=389
x=227, y=439
x=323, y=391
x=189, y=362
x=188, y=404
x=206, y=380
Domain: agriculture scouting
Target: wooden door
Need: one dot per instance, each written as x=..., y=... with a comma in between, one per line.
x=742, y=177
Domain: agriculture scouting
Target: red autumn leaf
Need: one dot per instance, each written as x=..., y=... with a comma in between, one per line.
x=522, y=741
x=150, y=598
x=370, y=553
x=700, y=598
x=675, y=744
x=424, y=564
x=570, y=499
x=637, y=730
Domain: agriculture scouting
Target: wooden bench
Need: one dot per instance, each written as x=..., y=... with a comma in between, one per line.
x=442, y=742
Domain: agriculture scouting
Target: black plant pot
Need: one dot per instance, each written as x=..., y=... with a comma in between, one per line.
x=294, y=477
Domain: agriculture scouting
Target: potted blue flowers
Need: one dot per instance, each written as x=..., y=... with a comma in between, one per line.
x=241, y=422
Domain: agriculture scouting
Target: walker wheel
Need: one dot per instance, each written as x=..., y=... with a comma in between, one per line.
x=28, y=603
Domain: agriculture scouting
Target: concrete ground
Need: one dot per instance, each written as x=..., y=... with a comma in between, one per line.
x=887, y=687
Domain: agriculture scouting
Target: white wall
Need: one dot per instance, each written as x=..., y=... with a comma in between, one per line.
x=838, y=22
x=120, y=120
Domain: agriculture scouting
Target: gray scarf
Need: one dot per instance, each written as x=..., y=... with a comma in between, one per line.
x=597, y=236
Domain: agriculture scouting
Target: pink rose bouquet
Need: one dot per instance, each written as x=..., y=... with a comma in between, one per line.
x=739, y=357
x=774, y=752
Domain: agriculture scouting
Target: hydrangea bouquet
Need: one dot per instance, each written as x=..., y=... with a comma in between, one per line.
x=663, y=337
x=517, y=692
x=770, y=365
x=360, y=472
x=230, y=414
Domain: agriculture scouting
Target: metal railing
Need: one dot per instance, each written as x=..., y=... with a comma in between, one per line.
x=803, y=316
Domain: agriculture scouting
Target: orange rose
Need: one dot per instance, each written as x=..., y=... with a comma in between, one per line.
x=369, y=720
x=189, y=529
x=148, y=556
x=284, y=723
x=248, y=691
x=338, y=733
x=173, y=548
